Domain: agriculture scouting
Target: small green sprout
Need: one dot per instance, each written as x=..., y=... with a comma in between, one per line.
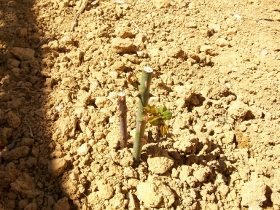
x=157, y=117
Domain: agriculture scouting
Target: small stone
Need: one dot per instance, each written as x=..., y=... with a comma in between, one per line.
x=186, y=144
x=23, y=53
x=13, y=120
x=57, y=166
x=27, y=142
x=23, y=32
x=229, y=137
x=62, y=204
x=161, y=3
x=191, y=25
x=223, y=189
x=253, y=193
x=118, y=66
x=16, y=153
x=201, y=174
x=105, y=191
x=275, y=198
x=67, y=40
x=206, y=48
x=238, y=110
x=83, y=149
x=123, y=45
x=123, y=32
x=22, y=204
x=221, y=42
x=31, y=206
x=155, y=195
x=160, y=165
x=12, y=63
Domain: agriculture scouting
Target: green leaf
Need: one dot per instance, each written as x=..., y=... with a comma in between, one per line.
x=151, y=110
x=165, y=113
x=155, y=120
x=163, y=129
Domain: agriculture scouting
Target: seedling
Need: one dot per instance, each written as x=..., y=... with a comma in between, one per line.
x=157, y=117
x=145, y=113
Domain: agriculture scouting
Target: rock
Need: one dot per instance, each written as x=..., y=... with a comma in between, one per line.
x=62, y=204
x=24, y=185
x=191, y=25
x=123, y=45
x=57, y=166
x=221, y=42
x=160, y=165
x=12, y=63
x=83, y=149
x=161, y=3
x=202, y=173
x=253, y=193
x=106, y=191
x=31, y=206
x=16, y=153
x=118, y=202
x=23, y=32
x=13, y=120
x=27, y=142
x=5, y=133
x=186, y=144
x=22, y=204
x=223, y=189
x=23, y=53
x=123, y=32
x=238, y=110
x=275, y=198
x=175, y=52
x=155, y=195
x=185, y=172
x=118, y=66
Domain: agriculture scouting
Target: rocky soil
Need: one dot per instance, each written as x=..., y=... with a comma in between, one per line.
x=216, y=67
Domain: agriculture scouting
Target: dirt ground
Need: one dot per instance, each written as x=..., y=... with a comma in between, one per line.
x=216, y=68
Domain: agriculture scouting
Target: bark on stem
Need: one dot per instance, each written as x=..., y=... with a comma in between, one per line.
x=123, y=119
x=144, y=89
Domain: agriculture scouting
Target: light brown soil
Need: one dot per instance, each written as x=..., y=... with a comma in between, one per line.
x=216, y=67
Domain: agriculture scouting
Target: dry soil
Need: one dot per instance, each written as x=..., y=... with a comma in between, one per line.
x=216, y=68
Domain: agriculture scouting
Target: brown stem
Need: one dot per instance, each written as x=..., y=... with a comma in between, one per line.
x=123, y=119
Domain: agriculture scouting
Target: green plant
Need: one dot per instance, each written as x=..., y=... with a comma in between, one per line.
x=157, y=117
x=145, y=113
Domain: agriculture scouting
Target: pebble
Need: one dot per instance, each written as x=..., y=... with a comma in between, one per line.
x=221, y=42
x=238, y=110
x=155, y=195
x=160, y=165
x=83, y=149
x=57, y=166
x=123, y=45
x=160, y=3
x=253, y=193
x=105, y=191
x=13, y=120
x=62, y=204
x=16, y=153
x=23, y=54
x=201, y=174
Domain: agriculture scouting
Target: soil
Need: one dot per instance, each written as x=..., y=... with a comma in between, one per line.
x=216, y=68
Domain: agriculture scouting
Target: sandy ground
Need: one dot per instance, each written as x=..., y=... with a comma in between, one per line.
x=216, y=68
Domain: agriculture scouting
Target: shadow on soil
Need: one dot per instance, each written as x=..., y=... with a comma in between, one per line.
x=25, y=135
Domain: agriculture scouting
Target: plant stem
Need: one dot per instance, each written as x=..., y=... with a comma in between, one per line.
x=144, y=89
x=123, y=119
